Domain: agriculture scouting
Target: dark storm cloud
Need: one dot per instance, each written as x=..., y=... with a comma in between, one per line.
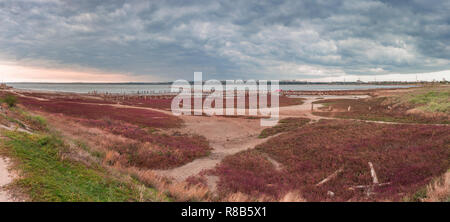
x=229, y=39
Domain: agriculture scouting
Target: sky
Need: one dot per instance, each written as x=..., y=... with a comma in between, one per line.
x=135, y=40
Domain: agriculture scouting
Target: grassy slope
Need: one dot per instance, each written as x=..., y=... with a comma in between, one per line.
x=430, y=99
x=45, y=176
x=434, y=102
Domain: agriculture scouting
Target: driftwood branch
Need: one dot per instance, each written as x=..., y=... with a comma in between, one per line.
x=333, y=175
x=368, y=186
x=373, y=173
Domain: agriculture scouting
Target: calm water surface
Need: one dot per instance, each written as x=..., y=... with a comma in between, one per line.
x=164, y=88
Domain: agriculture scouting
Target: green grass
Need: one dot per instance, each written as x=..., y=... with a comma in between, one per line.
x=45, y=176
x=21, y=116
x=10, y=119
x=417, y=196
x=86, y=148
x=422, y=193
x=9, y=99
x=36, y=122
x=432, y=101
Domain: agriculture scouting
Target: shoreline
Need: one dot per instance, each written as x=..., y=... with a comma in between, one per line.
x=318, y=92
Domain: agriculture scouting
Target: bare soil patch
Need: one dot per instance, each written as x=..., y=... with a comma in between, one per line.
x=6, y=177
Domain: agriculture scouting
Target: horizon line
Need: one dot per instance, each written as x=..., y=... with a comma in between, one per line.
x=280, y=81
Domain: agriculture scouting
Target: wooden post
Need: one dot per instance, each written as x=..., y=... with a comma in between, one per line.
x=373, y=173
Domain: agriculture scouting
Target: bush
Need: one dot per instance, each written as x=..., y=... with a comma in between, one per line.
x=38, y=122
x=405, y=156
x=10, y=100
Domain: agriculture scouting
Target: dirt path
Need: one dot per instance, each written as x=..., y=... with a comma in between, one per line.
x=5, y=178
x=31, y=97
x=228, y=136
x=15, y=127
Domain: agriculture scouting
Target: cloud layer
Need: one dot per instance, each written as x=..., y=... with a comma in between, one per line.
x=167, y=40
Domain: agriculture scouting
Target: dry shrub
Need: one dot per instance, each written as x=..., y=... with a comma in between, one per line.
x=148, y=177
x=137, y=146
x=4, y=121
x=185, y=192
x=73, y=152
x=114, y=159
x=242, y=197
x=292, y=196
x=179, y=191
x=197, y=180
x=439, y=190
x=111, y=157
x=237, y=197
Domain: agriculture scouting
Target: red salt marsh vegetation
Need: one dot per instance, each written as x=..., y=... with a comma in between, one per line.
x=152, y=150
x=290, y=166
x=290, y=101
x=423, y=105
x=148, y=148
x=137, y=116
x=66, y=97
x=376, y=109
x=405, y=159
x=165, y=102
x=67, y=161
x=284, y=125
x=129, y=145
x=156, y=102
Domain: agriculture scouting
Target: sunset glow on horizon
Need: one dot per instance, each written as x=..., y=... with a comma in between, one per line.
x=18, y=73
x=10, y=72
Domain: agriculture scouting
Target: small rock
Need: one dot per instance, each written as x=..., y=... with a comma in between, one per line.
x=330, y=193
